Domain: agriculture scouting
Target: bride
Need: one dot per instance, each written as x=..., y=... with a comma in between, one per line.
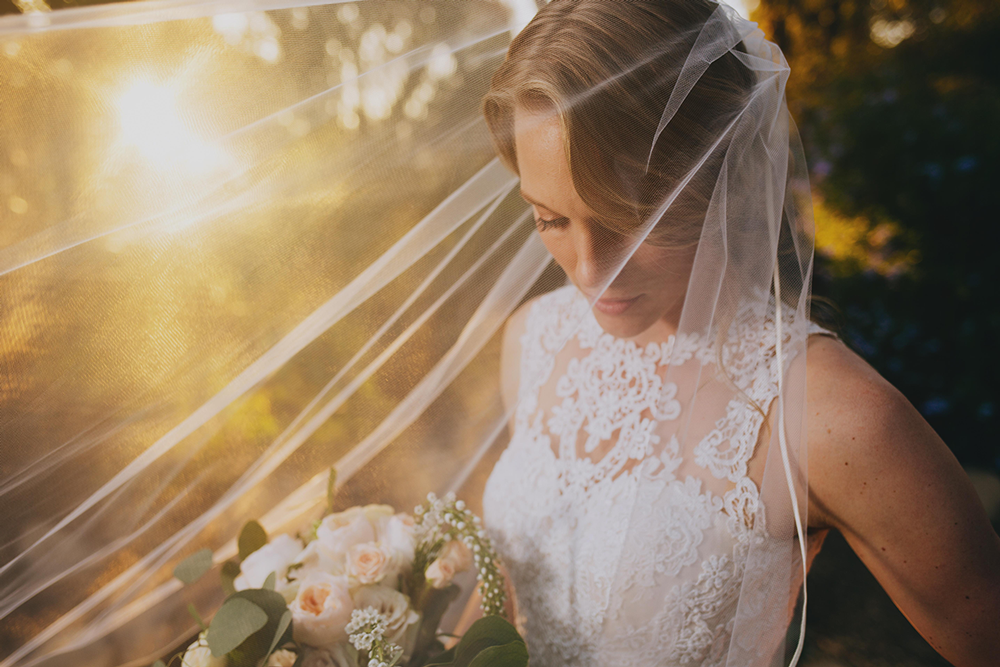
x=196, y=326
x=630, y=515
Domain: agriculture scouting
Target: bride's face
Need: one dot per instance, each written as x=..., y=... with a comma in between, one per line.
x=647, y=293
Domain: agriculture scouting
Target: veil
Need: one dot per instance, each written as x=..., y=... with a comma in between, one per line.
x=243, y=241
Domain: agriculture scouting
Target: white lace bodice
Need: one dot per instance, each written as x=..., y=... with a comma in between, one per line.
x=560, y=499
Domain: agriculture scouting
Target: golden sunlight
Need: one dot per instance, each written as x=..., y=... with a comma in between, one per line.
x=151, y=123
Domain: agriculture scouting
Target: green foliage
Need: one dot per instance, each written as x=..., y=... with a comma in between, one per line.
x=252, y=537
x=905, y=131
x=196, y=616
x=194, y=567
x=490, y=642
x=258, y=645
x=233, y=624
x=270, y=581
x=283, y=624
x=230, y=570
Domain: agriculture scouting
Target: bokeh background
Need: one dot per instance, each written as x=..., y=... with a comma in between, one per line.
x=898, y=105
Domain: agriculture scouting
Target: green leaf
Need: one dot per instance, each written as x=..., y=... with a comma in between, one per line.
x=196, y=616
x=514, y=654
x=251, y=652
x=192, y=568
x=270, y=581
x=159, y=663
x=283, y=623
x=230, y=570
x=252, y=537
x=233, y=624
x=331, y=489
x=490, y=642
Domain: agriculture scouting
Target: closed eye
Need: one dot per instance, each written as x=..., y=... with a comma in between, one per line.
x=543, y=224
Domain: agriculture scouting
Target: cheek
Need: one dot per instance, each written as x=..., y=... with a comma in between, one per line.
x=661, y=266
x=561, y=250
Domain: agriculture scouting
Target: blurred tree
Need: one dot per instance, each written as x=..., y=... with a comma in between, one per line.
x=897, y=103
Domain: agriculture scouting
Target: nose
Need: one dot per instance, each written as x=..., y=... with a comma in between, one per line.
x=599, y=252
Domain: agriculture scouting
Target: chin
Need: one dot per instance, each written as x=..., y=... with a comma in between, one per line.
x=626, y=325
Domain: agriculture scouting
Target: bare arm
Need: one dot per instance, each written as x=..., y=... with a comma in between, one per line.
x=880, y=475
x=510, y=359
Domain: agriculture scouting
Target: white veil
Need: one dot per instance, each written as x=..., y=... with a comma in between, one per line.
x=243, y=241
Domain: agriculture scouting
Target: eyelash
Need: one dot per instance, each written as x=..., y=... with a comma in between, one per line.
x=542, y=224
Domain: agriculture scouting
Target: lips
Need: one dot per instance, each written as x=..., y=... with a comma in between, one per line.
x=614, y=306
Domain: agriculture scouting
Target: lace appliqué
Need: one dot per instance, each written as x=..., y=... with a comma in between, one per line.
x=560, y=519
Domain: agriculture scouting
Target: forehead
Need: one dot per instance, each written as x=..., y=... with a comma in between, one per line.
x=541, y=161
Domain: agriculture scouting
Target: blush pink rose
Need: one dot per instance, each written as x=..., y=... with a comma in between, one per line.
x=368, y=563
x=321, y=610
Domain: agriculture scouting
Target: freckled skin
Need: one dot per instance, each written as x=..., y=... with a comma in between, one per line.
x=878, y=473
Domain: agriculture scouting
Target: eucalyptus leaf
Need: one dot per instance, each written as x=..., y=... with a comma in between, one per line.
x=235, y=621
x=252, y=537
x=159, y=663
x=252, y=651
x=489, y=642
x=270, y=581
x=283, y=623
x=514, y=654
x=192, y=568
x=230, y=570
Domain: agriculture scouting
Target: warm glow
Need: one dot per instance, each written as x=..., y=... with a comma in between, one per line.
x=150, y=122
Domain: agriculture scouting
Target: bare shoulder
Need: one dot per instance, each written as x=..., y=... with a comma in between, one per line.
x=859, y=424
x=880, y=475
x=510, y=355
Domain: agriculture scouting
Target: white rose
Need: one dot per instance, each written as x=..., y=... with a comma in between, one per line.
x=376, y=513
x=316, y=558
x=337, y=533
x=459, y=555
x=334, y=656
x=282, y=658
x=440, y=573
x=402, y=619
x=369, y=563
x=199, y=655
x=397, y=535
x=321, y=610
x=275, y=556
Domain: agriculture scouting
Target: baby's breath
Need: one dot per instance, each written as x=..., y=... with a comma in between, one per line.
x=366, y=632
x=440, y=520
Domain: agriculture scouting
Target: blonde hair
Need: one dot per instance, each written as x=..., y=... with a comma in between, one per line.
x=607, y=70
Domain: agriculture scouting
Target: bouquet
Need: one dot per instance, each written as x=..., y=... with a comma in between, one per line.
x=365, y=587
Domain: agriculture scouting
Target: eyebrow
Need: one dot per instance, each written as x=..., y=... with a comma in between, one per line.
x=528, y=199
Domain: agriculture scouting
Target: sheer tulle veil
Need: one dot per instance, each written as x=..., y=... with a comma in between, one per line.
x=243, y=241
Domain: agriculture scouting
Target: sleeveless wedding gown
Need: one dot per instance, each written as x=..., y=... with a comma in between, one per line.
x=559, y=517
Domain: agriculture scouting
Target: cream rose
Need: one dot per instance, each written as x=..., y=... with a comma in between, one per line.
x=397, y=534
x=368, y=563
x=199, y=655
x=321, y=610
x=275, y=556
x=337, y=533
x=282, y=658
x=402, y=619
x=459, y=555
x=440, y=573
x=376, y=513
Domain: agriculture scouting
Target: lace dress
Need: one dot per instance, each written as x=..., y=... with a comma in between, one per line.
x=559, y=516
